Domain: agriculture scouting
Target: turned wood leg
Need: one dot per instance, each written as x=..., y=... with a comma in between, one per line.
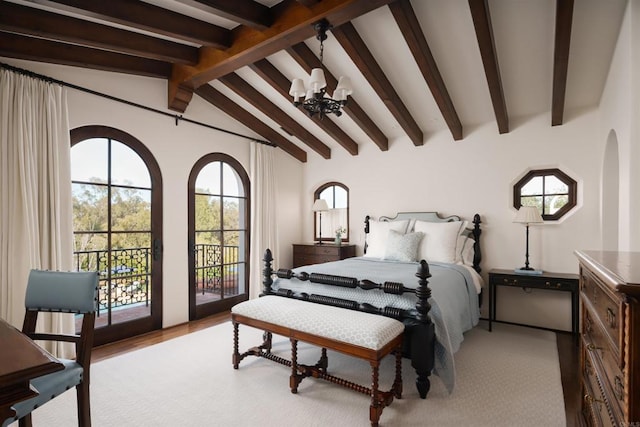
x=267, y=339
x=236, y=353
x=294, y=379
x=324, y=361
x=423, y=384
x=375, y=410
x=397, y=383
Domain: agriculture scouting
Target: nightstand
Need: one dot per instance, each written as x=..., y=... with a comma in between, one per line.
x=313, y=253
x=550, y=281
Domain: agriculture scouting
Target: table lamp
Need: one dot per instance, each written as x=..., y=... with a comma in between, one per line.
x=320, y=205
x=528, y=215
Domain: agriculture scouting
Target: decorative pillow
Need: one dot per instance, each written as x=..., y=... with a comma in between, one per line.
x=402, y=247
x=440, y=240
x=378, y=233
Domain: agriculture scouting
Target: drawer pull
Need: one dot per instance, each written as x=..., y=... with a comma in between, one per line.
x=592, y=347
x=590, y=399
x=611, y=318
x=619, y=388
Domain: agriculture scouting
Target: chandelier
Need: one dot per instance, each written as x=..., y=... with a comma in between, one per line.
x=316, y=100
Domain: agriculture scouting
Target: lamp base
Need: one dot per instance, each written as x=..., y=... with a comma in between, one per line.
x=529, y=271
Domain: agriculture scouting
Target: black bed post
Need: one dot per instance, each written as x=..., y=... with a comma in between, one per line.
x=477, y=254
x=267, y=272
x=423, y=336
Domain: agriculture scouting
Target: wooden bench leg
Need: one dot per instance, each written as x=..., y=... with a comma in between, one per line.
x=295, y=377
x=236, y=354
x=375, y=410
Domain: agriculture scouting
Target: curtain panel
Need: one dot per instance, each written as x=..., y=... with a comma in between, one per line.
x=35, y=193
x=264, y=232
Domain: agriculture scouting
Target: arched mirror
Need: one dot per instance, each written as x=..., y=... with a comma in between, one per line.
x=335, y=220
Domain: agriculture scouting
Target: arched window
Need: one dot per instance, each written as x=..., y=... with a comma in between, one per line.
x=337, y=218
x=218, y=235
x=552, y=191
x=117, y=225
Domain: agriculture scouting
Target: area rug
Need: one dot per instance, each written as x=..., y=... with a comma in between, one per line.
x=507, y=377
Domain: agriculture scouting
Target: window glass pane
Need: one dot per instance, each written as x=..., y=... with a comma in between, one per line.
x=532, y=201
x=554, y=203
x=231, y=213
x=207, y=212
x=231, y=247
x=231, y=181
x=533, y=187
x=89, y=160
x=89, y=207
x=552, y=185
x=130, y=209
x=127, y=167
x=327, y=194
x=208, y=180
x=341, y=197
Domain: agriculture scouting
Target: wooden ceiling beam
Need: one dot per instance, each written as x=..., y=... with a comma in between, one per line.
x=484, y=34
x=145, y=16
x=308, y=60
x=292, y=23
x=255, y=98
x=410, y=28
x=216, y=98
x=41, y=50
x=564, y=19
x=355, y=47
x=245, y=12
x=36, y=22
x=280, y=83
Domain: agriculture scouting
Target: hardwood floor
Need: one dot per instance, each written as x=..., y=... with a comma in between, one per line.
x=567, y=353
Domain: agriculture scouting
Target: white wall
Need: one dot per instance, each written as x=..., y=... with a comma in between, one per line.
x=476, y=175
x=176, y=149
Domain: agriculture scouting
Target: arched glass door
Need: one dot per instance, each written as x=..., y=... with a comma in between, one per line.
x=218, y=235
x=117, y=206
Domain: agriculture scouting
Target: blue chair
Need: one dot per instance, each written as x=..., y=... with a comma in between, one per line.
x=66, y=292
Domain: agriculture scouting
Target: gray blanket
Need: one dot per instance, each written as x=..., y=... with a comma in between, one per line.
x=454, y=299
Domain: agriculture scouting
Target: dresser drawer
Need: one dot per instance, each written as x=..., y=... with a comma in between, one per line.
x=317, y=250
x=600, y=360
x=607, y=312
x=594, y=407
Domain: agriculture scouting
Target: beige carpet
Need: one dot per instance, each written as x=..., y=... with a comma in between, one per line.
x=509, y=377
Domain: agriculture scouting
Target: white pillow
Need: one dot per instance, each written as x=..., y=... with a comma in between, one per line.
x=440, y=240
x=402, y=247
x=378, y=233
x=465, y=250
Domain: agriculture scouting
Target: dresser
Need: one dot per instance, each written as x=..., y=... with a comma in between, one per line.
x=610, y=344
x=313, y=253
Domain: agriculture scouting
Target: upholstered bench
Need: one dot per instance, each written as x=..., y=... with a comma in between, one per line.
x=363, y=335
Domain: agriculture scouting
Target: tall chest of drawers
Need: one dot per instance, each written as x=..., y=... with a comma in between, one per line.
x=610, y=344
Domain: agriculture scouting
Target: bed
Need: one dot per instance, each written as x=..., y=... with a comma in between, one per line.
x=418, y=267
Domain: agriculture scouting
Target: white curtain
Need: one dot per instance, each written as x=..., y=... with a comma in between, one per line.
x=264, y=230
x=35, y=193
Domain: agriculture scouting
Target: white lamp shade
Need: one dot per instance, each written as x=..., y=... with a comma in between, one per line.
x=528, y=215
x=320, y=205
x=309, y=95
x=344, y=85
x=317, y=80
x=297, y=88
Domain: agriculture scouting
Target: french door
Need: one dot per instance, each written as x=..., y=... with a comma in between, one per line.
x=218, y=235
x=117, y=203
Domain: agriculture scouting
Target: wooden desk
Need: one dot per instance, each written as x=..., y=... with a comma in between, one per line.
x=21, y=360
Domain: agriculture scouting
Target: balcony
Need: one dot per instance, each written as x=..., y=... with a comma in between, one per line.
x=124, y=285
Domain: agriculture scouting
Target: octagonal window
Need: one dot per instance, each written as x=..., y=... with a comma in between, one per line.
x=552, y=191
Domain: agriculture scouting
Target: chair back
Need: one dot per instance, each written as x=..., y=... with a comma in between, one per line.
x=61, y=291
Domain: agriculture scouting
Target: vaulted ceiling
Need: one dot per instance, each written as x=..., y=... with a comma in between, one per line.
x=417, y=67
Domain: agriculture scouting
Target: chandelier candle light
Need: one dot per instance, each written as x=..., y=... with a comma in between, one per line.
x=316, y=100
x=528, y=215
